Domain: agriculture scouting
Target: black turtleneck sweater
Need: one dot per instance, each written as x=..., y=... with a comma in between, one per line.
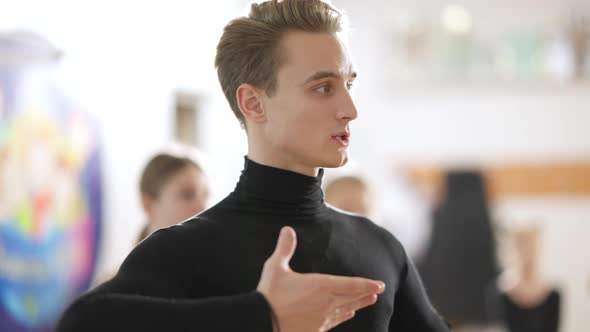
x=202, y=275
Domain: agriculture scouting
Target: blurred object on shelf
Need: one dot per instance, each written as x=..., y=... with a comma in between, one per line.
x=578, y=29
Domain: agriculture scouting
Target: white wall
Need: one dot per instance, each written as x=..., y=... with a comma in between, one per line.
x=473, y=128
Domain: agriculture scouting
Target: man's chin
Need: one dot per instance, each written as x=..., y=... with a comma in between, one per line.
x=336, y=162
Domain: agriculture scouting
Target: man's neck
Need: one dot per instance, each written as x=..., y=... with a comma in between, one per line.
x=279, y=160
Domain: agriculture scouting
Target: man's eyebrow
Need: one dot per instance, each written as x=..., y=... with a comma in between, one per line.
x=325, y=74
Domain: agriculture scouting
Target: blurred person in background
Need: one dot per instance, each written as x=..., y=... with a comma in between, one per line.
x=173, y=188
x=459, y=266
x=349, y=193
x=529, y=303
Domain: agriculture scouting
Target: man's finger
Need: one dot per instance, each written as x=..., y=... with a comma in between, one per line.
x=351, y=286
x=356, y=304
x=347, y=311
x=336, y=320
x=285, y=248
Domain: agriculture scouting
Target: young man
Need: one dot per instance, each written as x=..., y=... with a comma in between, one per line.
x=287, y=75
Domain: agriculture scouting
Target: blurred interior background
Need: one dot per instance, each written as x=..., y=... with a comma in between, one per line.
x=89, y=91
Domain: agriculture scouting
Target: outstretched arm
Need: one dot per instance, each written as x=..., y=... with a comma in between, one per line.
x=144, y=296
x=149, y=293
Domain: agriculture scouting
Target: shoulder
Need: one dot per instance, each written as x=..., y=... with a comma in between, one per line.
x=180, y=234
x=173, y=243
x=364, y=226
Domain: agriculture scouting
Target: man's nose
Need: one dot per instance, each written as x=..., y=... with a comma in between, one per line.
x=347, y=109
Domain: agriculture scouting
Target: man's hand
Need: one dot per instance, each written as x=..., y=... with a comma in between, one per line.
x=311, y=302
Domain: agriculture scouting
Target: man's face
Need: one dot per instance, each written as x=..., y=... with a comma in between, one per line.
x=308, y=116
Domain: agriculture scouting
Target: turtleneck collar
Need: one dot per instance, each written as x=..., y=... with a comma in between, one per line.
x=281, y=191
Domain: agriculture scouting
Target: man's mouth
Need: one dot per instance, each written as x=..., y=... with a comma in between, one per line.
x=342, y=138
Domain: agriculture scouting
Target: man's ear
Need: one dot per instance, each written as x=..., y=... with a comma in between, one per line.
x=147, y=201
x=250, y=103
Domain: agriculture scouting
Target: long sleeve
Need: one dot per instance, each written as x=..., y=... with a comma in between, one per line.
x=413, y=310
x=150, y=293
x=123, y=312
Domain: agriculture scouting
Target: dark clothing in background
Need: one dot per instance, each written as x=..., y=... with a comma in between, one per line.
x=459, y=266
x=543, y=317
x=202, y=274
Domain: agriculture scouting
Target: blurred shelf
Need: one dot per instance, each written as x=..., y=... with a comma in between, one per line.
x=532, y=179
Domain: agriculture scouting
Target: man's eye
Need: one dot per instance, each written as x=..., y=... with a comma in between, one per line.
x=349, y=85
x=323, y=89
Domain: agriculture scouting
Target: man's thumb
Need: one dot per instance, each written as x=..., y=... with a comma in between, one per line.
x=285, y=248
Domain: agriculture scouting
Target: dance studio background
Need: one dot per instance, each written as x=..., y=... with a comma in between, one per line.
x=492, y=85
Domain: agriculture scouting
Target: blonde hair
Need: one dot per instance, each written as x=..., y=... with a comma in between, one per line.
x=249, y=50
